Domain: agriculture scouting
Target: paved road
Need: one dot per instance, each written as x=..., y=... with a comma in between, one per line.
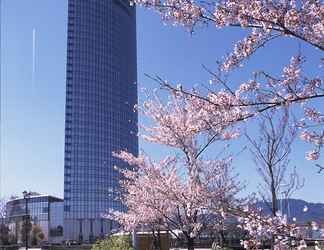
x=24, y=248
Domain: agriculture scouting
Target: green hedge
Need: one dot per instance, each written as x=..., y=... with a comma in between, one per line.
x=114, y=243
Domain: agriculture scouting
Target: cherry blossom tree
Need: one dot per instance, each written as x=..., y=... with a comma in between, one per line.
x=266, y=21
x=182, y=192
x=194, y=119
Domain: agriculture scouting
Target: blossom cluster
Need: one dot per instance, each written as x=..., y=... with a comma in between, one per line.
x=156, y=194
x=184, y=12
x=220, y=110
x=184, y=117
x=291, y=89
x=245, y=48
x=262, y=229
x=270, y=19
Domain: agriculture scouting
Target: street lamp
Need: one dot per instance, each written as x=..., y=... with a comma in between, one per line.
x=26, y=195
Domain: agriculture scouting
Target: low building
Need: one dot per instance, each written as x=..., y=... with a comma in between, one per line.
x=43, y=210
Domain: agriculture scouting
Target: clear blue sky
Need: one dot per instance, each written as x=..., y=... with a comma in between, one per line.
x=32, y=123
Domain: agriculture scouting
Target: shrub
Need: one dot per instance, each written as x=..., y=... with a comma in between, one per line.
x=114, y=243
x=37, y=235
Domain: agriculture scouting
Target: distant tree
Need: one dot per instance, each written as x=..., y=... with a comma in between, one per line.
x=37, y=235
x=4, y=234
x=4, y=229
x=3, y=210
x=271, y=152
x=114, y=243
x=309, y=229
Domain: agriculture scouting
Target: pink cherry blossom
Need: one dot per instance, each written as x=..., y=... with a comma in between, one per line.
x=268, y=20
x=187, y=186
x=183, y=192
x=312, y=155
x=261, y=227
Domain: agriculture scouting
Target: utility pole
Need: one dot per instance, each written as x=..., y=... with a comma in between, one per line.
x=26, y=196
x=134, y=240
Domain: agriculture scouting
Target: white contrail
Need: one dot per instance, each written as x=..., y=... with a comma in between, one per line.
x=34, y=56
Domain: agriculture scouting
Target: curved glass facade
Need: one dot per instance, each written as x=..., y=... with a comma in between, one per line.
x=43, y=210
x=101, y=93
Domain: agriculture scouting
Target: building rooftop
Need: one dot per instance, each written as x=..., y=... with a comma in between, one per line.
x=35, y=196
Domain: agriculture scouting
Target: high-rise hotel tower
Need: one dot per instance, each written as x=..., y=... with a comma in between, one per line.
x=101, y=93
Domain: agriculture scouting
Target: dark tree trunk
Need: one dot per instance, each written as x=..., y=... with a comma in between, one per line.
x=190, y=243
x=156, y=240
x=274, y=200
x=274, y=207
x=222, y=238
x=159, y=240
